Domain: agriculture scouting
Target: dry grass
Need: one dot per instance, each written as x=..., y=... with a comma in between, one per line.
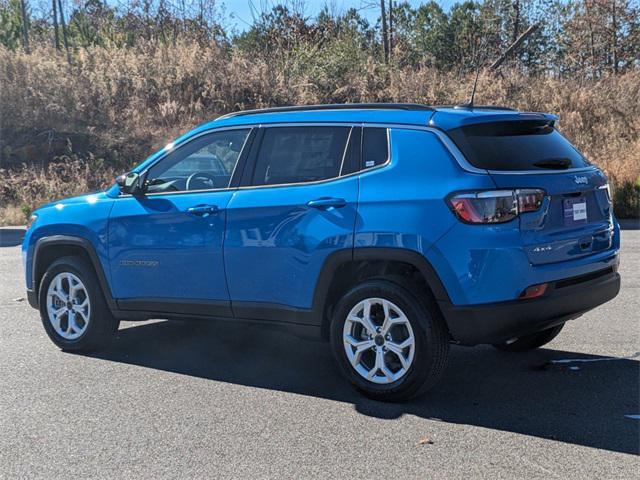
x=117, y=105
x=25, y=188
x=12, y=215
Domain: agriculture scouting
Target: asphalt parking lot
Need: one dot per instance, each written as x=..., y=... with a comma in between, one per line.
x=219, y=400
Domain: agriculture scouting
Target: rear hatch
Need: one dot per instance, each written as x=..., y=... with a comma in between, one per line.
x=574, y=219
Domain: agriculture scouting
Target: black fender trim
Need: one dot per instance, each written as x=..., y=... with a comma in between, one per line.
x=323, y=283
x=73, y=241
x=338, y=258
x=407, y=256
x=404, y=255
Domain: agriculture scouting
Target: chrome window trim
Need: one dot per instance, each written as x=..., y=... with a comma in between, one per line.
x=464, y=163
x=588, y=168
x=449, y=145
x=346, y=149
x=351, y=125
x=323, y=124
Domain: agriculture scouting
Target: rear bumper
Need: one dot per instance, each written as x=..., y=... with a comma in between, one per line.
x=498, y=322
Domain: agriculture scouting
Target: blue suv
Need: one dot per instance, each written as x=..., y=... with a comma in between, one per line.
x=389, y=230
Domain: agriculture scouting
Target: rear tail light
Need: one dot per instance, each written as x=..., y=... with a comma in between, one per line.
x=495, y=206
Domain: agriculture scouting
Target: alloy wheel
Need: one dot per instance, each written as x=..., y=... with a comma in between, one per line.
x=68, y=306
x=379, y=341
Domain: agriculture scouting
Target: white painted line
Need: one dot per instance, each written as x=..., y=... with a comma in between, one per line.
x=633, y=417
x=603, y=359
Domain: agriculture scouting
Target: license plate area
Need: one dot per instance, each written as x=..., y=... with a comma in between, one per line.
x=575, y=211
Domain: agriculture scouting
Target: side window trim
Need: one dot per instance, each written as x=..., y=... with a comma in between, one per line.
x=244, y=158
x=353, y=153
x=241, y=159
x=252, y=157
x=345, y=152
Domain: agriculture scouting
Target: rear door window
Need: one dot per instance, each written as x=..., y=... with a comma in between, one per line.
x=522, y=145
x=300, y=154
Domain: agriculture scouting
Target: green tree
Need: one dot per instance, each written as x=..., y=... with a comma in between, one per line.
x=10, y=23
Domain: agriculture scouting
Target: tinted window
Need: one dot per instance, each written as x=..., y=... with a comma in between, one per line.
x=201, y=164
x=300, y=154
x=531, y=145
x=375, y=147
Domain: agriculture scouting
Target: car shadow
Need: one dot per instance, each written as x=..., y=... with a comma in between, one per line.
x=10, y=237
x=521, y=393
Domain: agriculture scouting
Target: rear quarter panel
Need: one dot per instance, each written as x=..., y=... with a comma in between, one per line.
x=403, y=204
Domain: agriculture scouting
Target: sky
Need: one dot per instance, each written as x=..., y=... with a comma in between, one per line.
x=241, y=10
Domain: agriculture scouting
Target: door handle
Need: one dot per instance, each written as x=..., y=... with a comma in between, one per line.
x=202, y=210
x=326, y=202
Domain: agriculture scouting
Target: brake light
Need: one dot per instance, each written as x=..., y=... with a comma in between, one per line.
x=495, y=206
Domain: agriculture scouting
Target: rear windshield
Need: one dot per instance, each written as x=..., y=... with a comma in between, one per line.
x=524, y=145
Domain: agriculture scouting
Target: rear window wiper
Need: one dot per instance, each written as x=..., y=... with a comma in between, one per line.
x=554, y=163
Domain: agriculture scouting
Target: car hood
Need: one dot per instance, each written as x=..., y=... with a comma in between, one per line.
x=88, y=198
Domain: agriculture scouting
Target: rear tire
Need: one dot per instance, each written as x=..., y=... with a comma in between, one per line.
x=73, y=310
x=532, y=341
x=401, y=353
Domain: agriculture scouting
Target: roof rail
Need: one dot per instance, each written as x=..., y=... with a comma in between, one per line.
x=337, y=106
x=464, y=106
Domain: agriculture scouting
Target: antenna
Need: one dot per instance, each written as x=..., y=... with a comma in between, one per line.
x=473, y=92
x=479, y=62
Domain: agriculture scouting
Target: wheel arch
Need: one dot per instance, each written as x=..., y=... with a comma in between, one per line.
x=345, y=268
x=48, y=249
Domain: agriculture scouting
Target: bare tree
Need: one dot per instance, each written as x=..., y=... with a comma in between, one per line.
x=614, y=37
x=495, y=65
x=56, y=41
x=592, y=48
x=390, y=28
x=516, y=20
x=64, y=31
x=385, y=32
x=25, y=25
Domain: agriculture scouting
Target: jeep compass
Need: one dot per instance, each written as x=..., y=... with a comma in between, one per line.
x=388, y=230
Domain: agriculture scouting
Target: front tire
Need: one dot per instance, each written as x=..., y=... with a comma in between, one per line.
x=73, y=310
x=532, y=341
x=389, y=343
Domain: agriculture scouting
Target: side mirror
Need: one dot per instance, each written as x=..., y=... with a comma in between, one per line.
x=130, y=183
